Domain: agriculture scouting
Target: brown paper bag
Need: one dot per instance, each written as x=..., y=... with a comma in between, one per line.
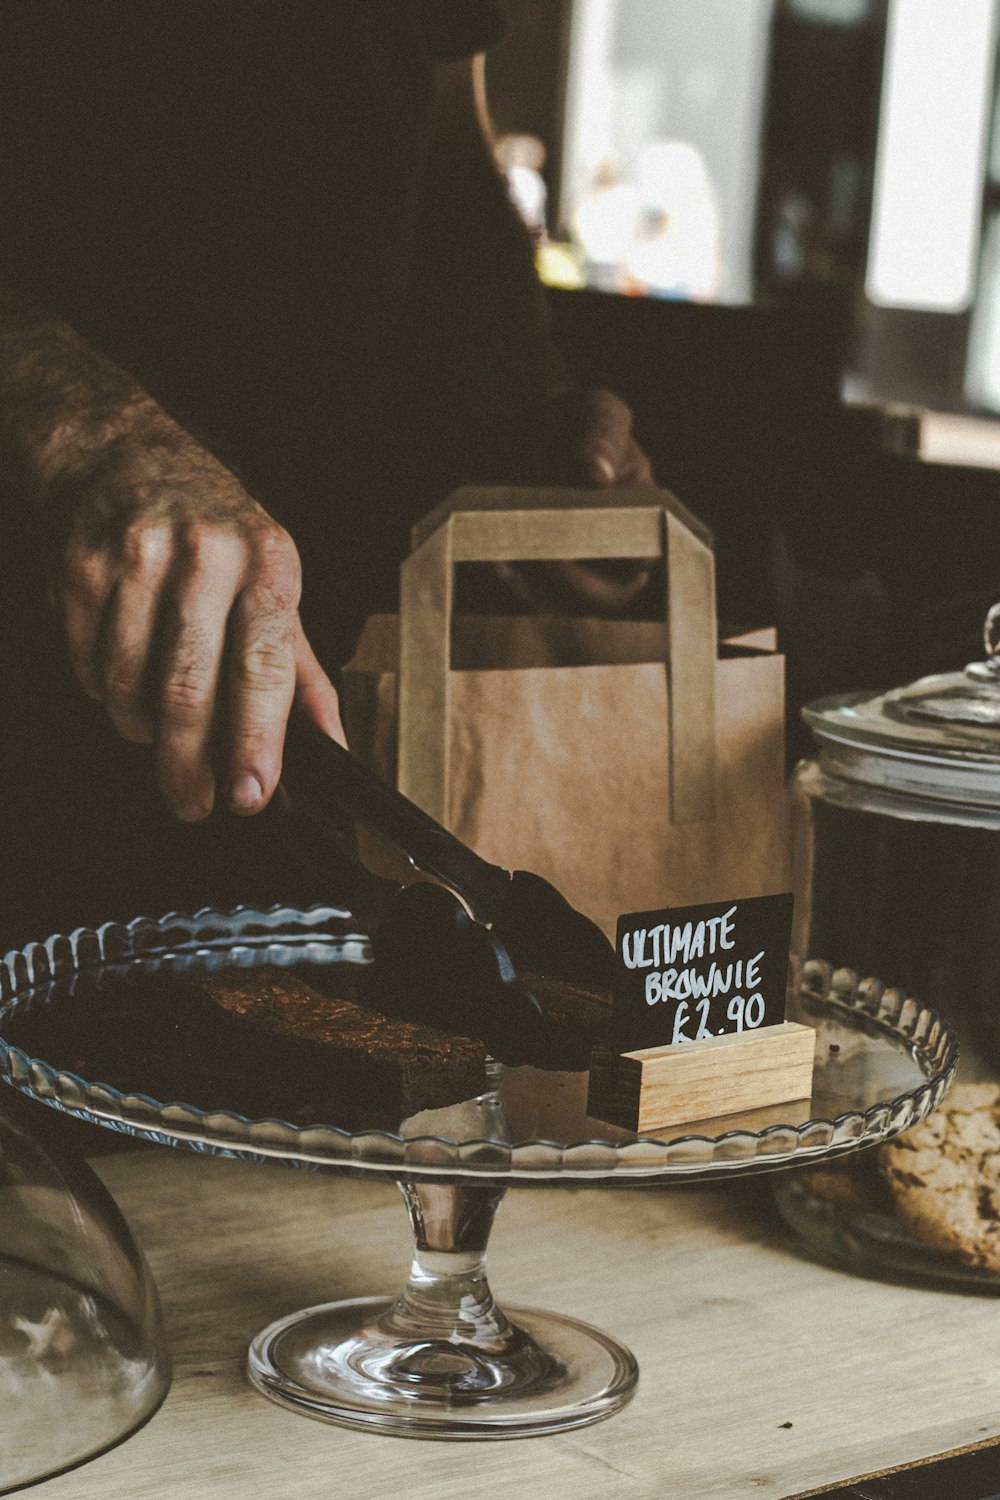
x=633, y=764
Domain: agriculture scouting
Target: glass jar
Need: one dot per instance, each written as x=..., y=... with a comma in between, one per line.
x=896, y=861
x=897, y=841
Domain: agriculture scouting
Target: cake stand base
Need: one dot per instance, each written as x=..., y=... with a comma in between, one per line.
x=347, y=1363
x=442, y=1360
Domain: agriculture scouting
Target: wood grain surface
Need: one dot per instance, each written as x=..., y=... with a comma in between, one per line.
x=657, y=1086
x=762, y=1374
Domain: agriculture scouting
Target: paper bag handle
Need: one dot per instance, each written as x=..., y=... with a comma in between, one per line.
x=527, y=525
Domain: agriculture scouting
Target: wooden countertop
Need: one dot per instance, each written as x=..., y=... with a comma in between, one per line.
x=736, y=1334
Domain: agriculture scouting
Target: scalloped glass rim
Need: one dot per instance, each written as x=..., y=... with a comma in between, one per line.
x=324, y=928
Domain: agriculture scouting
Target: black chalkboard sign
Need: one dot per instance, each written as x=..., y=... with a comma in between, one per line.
x=701, y=971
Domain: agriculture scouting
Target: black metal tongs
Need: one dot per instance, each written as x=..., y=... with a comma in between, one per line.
x=455, y=946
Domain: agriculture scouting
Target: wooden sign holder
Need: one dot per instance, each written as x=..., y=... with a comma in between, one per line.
x=720, y=1075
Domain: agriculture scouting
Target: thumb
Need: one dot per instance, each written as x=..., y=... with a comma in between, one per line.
x=606, y=439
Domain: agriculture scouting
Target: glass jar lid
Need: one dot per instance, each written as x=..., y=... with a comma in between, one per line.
x=937, y=738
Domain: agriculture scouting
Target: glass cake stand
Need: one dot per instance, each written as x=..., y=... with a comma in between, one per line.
x=442, y=1360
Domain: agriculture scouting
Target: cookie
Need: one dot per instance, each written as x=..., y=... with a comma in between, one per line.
x=944, y=1176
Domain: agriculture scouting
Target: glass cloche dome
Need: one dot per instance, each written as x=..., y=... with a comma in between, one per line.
x=82, y=1356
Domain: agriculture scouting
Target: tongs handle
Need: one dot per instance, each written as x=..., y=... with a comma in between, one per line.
x=320, y=777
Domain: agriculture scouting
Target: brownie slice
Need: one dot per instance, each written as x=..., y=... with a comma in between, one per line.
x=259, y=1042
x=576, y=1020
x=321, y=1047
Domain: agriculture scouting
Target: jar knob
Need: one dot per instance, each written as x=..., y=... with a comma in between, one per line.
x=988, y=670
x=991, y=636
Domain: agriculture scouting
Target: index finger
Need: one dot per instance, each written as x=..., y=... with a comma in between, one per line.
x=262, y=676
x=194, y=633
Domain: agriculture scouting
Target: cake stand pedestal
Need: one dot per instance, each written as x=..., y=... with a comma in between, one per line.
x=442, y=1359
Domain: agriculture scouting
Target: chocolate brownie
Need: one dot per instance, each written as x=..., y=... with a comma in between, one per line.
x=576, y=1020
x=257, y=1041
x=341, y=1048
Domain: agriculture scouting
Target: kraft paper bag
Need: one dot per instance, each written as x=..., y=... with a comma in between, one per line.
x=581, y=749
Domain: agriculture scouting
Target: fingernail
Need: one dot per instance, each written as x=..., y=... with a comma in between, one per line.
x=604, y=469
x=193, y=812
x=245, y=792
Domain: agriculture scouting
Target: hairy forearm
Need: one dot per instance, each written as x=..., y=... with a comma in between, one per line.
x=179, y=594
x=64, y=406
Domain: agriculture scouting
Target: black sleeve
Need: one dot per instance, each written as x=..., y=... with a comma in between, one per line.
x=455, y=29
x=492, y=400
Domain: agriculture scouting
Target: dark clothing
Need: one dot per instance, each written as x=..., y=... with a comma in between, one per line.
x=231, y=200
x=237, y=201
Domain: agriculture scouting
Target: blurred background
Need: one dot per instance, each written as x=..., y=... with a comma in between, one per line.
x=774, y=227
x=835, y=152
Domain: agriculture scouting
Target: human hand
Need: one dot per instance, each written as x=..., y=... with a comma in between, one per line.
x=180, y=596
x=609, y=457
x=610, y=454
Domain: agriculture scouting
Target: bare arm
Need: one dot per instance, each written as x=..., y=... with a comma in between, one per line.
x=178, y=592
